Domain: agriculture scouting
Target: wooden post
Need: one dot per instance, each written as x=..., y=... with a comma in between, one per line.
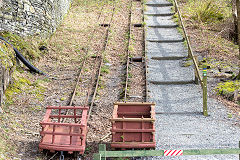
x=175, y=7
x=195, y=71
x=188, y=45
x=205, y=113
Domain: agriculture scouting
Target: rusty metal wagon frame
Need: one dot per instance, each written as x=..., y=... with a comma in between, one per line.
x=64, y=136
x=133, y=125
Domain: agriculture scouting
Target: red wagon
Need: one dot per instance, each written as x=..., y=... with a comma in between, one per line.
x=64, y=128
x=133, y=125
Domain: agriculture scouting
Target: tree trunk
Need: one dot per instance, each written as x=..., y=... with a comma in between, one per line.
x=235, y=22
x=238, y=26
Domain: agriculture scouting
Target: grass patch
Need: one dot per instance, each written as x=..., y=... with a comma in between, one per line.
x=20, y=84
x=208, y=11
x=105, y=69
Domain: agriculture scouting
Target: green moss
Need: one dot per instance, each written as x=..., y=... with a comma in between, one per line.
x=63, y=99
x=105, y=69
x=229, y=115
x=188, y=63
x=29, y=46
x=21, y=84
x=7, y=56
x=227, y=89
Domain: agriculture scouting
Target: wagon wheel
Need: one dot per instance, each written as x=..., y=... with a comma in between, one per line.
x=77, y=156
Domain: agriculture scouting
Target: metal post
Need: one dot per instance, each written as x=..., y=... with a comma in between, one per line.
x=205, y=113
x=62, y=156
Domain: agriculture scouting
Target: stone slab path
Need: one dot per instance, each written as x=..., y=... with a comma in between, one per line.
x=180, y=123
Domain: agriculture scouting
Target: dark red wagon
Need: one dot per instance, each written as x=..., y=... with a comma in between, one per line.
x=133, y=125
x=64, y=128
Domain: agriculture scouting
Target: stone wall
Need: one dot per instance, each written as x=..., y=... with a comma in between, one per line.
x=32, y=17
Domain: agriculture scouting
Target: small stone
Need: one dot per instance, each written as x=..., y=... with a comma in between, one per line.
x=20, y=2
x=135, y=96
x=108, y=64
x=227, y=70
x=32, y=10
x=214, y=71
x=26, y=7
x=48, y=16
x=6, y=16
x=26, y=1
x=223, y=75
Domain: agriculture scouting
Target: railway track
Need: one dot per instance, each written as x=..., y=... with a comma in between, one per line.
x=88, y=82
x=135, y=88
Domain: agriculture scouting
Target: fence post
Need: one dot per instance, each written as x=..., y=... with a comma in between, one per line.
x=97, y=156
x=205, y=113
x=102, y=147
x=187, y=38
x=175, y=7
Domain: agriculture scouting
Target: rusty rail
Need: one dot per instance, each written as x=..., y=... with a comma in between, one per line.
x=145, y=55
x=101, y=62
x=85, y=58
x=128, y=52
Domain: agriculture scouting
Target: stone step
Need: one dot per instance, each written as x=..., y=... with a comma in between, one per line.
x=169, y=72
x=159, y=11
x=159, y=3
x=176, y=99
x=163, y=26
x=160, y=22
x=162, y=35
x=166, y=51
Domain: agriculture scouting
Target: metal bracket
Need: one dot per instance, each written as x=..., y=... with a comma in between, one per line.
x=62, y=156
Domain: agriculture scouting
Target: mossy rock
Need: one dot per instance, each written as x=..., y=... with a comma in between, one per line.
x=28, y=46
x=188, y=63
x=227, y=89
x=7, y=56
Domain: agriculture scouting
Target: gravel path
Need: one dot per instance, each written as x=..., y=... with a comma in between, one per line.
x=180, y=123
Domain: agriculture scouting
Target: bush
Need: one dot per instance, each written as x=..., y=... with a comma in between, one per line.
x=227, y=89
x=208, y=10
